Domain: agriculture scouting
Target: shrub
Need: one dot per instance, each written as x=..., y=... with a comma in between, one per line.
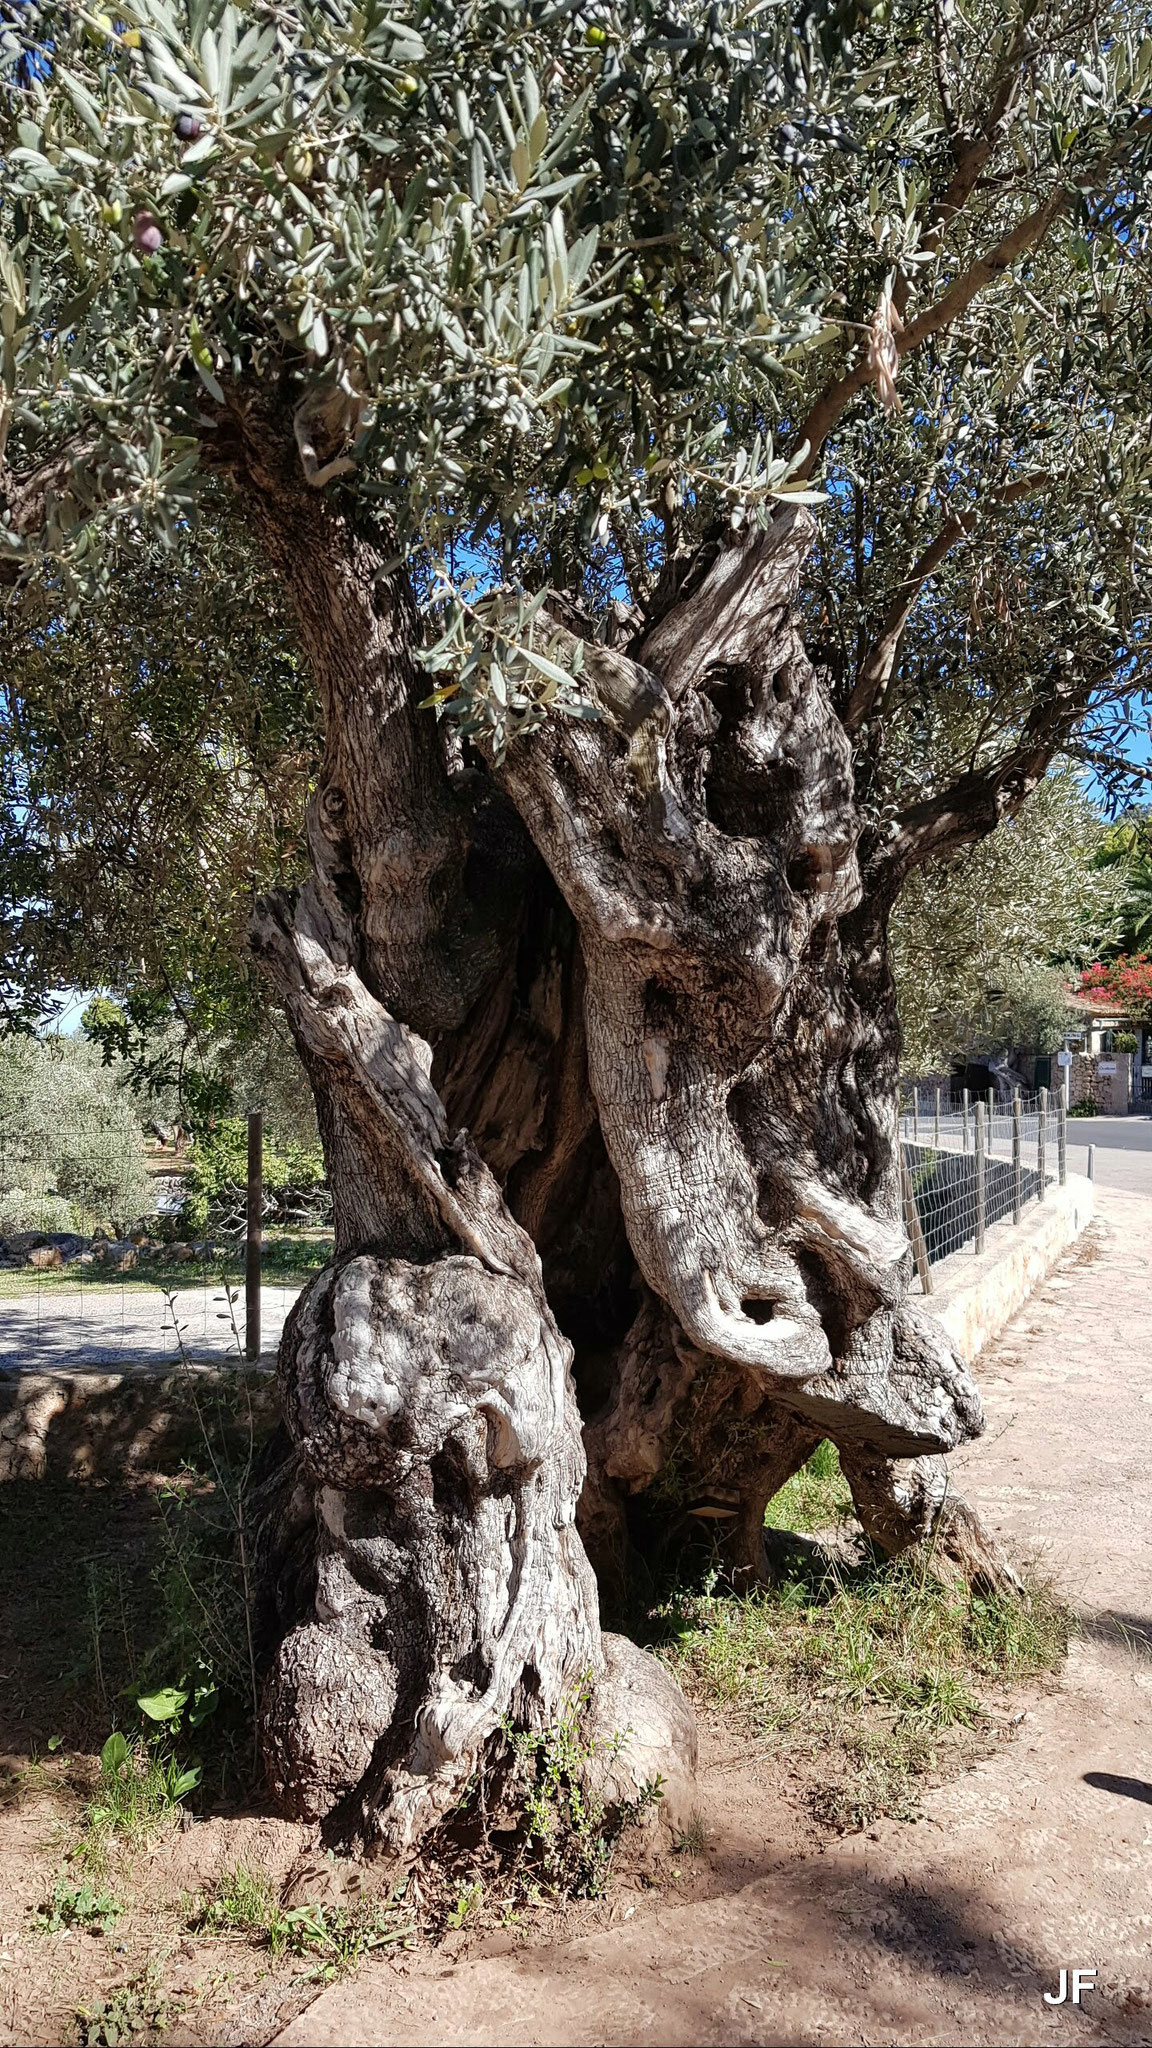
x=218, y=1170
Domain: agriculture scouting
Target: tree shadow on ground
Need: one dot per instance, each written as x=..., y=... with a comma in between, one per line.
x=1133, y=1631
x=128, y=1578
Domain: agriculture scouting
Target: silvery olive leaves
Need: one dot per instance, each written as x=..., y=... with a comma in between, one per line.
x=553, y=288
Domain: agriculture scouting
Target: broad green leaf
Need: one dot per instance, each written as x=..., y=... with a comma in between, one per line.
x=165, y=1705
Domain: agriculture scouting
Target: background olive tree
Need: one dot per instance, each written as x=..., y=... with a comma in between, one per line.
x=985, y=947
x=71, y=1146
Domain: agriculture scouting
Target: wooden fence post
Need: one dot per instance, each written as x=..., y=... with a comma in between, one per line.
x=980, y=1187
x=914, y=1226
x=252, y=1243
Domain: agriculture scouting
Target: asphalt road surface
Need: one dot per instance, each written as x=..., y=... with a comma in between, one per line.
x=103, y=1328
x=1123, y=1150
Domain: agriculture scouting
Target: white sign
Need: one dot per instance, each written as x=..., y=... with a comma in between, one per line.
x=1063, y=1059
x=1106, y=1067
x=1146, y=1073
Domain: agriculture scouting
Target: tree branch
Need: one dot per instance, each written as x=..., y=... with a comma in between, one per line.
x=1114, y=764
x=27, y=499
x=836, y=396
x=972, y=806
x=876, y=668
x=971, y=154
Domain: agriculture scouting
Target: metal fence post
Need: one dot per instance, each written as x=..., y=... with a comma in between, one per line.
x=1017, y=1157
x=936, y=1126
x=964, y=1116
x=252, y=1244
x=1062, y=1140
x=915, y=1115
x=1091, y=1162
x=1042, y=1142
x=980, y=1188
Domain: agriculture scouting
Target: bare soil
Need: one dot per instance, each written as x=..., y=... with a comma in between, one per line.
x=768, y=1929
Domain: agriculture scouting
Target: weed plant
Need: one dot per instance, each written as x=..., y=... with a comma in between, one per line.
x=140, y=2010
x=880, y=1670
x=77, y=1905
x=333, y=1938
x=567, y=1834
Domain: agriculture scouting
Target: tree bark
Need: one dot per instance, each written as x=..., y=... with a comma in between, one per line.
x=424, y=1585
x=427, y=1392
x=743, y=1056
x=604, y=1046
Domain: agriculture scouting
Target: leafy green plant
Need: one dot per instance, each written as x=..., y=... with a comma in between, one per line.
x=133, y=2012
x=77, y=1905
x=1125, y=1041
x=1087, y=1107
x=468, y=1901
x=339, y=1937
x=175, y=1706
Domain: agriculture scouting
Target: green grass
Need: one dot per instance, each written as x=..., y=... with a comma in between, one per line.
x=138, y=1792
x=817, y=1497
x=285, y=1259
x=242, y=1903
x=871, y=1677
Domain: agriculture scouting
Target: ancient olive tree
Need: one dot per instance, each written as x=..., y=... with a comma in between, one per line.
x=705, y=454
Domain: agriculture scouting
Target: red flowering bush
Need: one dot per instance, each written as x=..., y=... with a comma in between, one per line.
x=1126, y=981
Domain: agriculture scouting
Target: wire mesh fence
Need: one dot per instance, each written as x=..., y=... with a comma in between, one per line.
x=969, y=1162
x=77, y=1293
x=74, y=1297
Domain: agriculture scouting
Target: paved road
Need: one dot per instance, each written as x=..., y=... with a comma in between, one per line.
x=106, y=1327
x=1123, y=1150
x=1123, y=1145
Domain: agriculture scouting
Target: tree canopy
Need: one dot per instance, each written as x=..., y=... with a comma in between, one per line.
x=558, y=293
x=555, y=288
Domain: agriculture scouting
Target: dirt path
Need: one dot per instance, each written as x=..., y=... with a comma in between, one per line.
x=949, y=1930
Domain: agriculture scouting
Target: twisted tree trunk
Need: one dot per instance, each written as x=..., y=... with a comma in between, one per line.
x=604, y=1048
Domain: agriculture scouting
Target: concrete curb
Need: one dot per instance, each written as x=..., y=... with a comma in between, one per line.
x=975, y=1298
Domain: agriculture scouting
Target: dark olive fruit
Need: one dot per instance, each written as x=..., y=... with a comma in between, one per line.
x=147, y=236
x=189, y=127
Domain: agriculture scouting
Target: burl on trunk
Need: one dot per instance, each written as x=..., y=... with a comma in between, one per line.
x=639, y=959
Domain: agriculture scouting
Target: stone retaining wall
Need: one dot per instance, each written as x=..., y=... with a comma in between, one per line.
x=976, y=1297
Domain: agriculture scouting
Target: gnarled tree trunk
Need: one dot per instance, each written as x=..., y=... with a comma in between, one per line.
x=604, y=1047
